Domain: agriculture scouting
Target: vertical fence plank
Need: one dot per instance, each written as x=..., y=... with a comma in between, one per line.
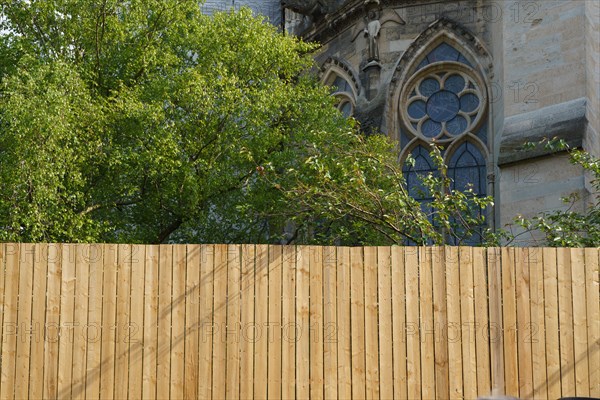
x=94, y=331
x=10, y=329
x=316, y=322
x=80, y=322
x=565, y=305
x=427, y=327
x=205, y=377
x=538, y=340
x=136, y=331
x=371, y=336
x=413, y=337
x=233, y=322
x=509, y=314
x=38, y=319
x=2, y=303
x=580, y=322
x=122, y=323
x=151, y=316
x=551, y=323
x=290, y=336
x=592, y=279
x=524, y=326
x=247, y=341
x=219, y=359
x=274, y=324
x=481, y=322
x=302, y=322
x=24, y=323
x=344, y=328
x=52, y=325
x=330, y=327
x=261, y=315
x=67, y=310
x=192, y=322
x=385, y=351
x=495, y=324
x=399, y=322
x=357, y=304
x=453, y=327
x=440, y=323
x=178, y=321
x=163, y=362
x=469, y=331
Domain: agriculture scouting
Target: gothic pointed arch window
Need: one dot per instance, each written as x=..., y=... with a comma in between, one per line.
x=340, y=79
x=444, y=100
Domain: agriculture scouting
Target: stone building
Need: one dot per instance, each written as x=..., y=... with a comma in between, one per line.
x=481, y=76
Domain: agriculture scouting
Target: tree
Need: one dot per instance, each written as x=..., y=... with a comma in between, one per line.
x=146, y=121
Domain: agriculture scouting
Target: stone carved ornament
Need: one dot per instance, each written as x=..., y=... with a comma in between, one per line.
x=313, y=8
x=371, y=27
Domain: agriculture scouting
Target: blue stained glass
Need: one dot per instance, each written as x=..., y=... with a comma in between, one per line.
x=431, y=128
x=341, y=85
x=346, y=109
x=454, y=83
x=457, y=125
x=429, y=86
x=423, y=166
x=467, y=169
x=463, y=60
x=444, y=52
x=482, y=133
x=469, y=102
x=416, y=109
x=442, y=106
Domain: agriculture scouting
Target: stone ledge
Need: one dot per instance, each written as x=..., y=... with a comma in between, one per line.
x=565, y=121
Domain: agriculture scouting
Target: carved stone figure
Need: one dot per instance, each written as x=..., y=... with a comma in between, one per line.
x=372, y=33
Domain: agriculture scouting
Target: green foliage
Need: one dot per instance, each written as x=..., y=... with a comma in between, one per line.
x=146, y=121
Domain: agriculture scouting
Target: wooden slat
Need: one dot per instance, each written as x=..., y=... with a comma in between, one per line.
x=482, y=342
x=399, y=322
x=24, y=322
x=509, y=314
x=52, y=323
x=330, y=328
x=592, y=278
x=36, y=374
x=357, y=310
x=496, y=323
x=261, y=310
x=274, y=325
x=2, y=303
x=207, y=262
x=565, y=305
x=151, y=299
x=80, y=322
x=316, y=323
x=580, y=322
x=288, y=304
x=178, y=298
x=67, y=331
x=440, y=320
x=10, y=323
x=344, y=350
x=371, y=314
x=192, y=321
x=220, y=323
x=427, y=327
x=247, y=317
x=413, y=337
x=303, y=322
x=386, y=361
x=551, y=322
x=469, y=331
x=94, y=329
x=538, y=340
x=122, y=323
x=524, y=326
x=136, y=329
x=234, y=271
x=454, y=323
x=165, y=283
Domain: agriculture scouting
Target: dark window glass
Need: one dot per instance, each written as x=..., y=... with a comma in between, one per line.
x=341, y=85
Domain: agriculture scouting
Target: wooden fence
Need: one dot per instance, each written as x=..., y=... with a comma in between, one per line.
x=246, y=321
